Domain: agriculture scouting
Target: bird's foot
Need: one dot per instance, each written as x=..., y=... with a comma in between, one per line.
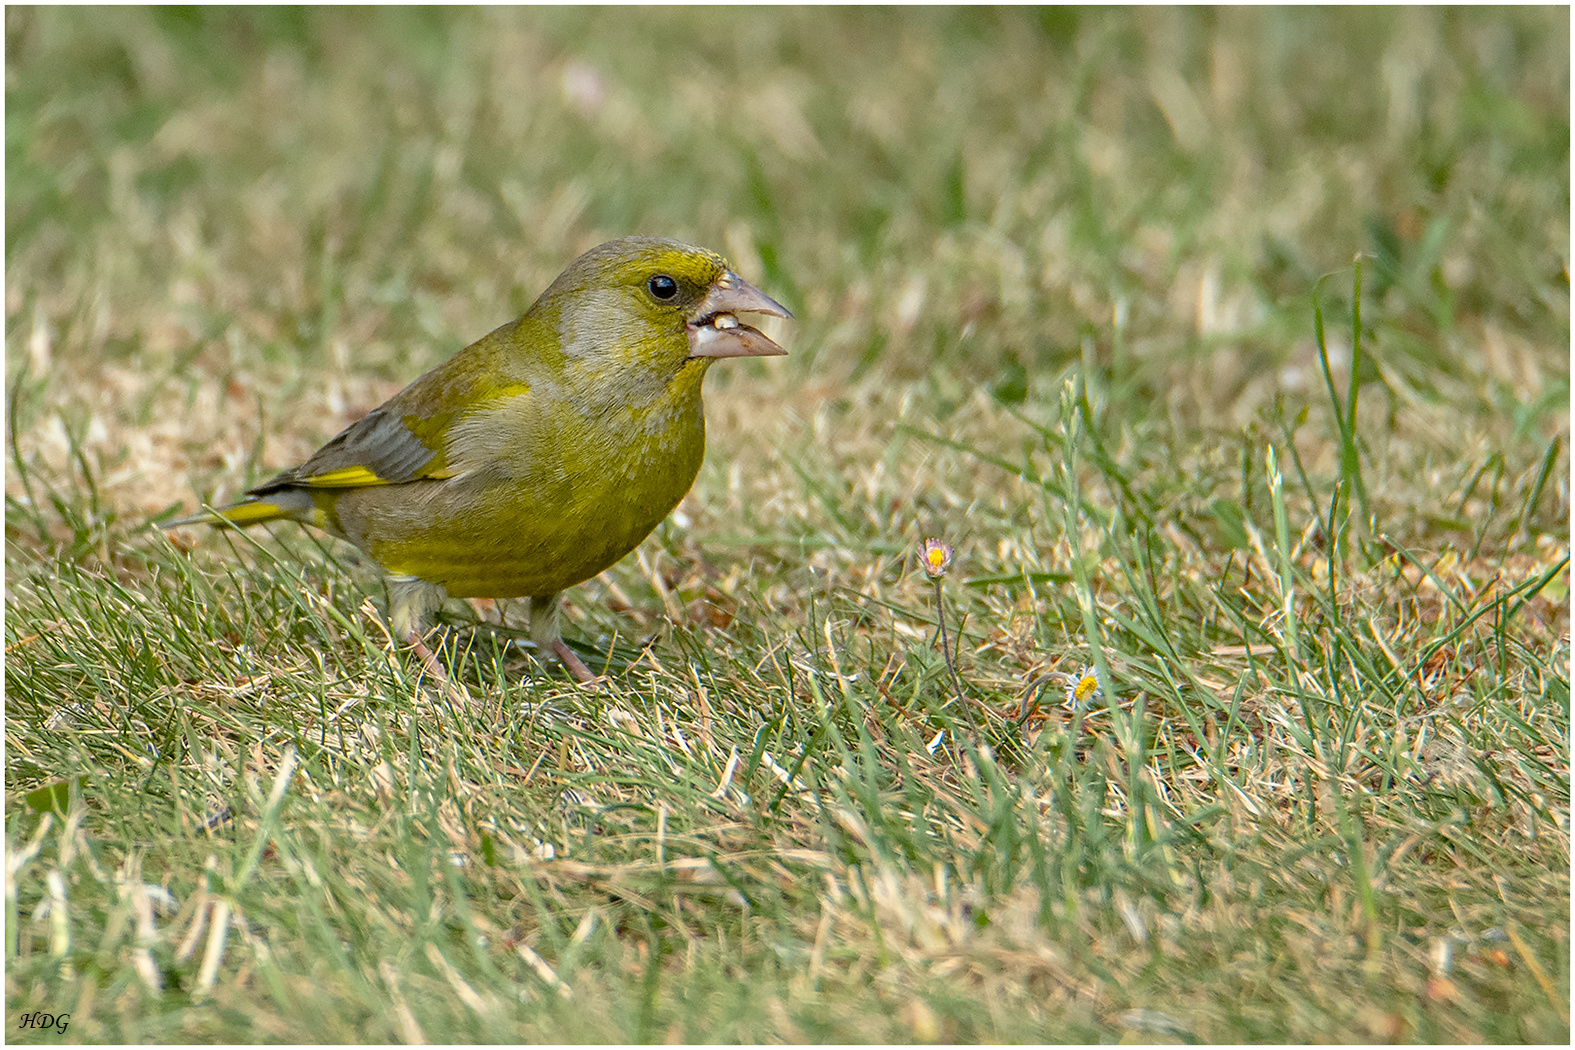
x=572, y=662
x=434, y=670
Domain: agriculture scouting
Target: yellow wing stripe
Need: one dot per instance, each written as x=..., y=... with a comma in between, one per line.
x=343, y=478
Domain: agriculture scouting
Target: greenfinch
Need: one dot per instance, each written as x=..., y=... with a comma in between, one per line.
x=539, y=455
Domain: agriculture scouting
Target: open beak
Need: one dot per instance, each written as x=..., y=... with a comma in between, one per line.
x=716, y=331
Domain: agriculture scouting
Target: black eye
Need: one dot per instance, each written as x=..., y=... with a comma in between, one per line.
x=662, y=286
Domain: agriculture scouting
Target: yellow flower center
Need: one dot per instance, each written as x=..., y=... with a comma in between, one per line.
x=1087, y=684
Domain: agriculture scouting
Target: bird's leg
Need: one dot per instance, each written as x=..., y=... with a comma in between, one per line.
x=434, y=670
x=410, y=602
x=572, y=663
x=545, y=633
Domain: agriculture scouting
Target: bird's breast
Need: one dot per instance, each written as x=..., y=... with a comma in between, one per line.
x=537, y=505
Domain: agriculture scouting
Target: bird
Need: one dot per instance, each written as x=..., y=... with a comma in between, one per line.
x=539, y=455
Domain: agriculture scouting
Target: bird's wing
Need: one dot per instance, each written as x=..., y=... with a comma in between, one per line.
x=407, y=438
x=381, y=448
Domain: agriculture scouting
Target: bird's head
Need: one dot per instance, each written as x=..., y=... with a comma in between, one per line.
x=649, y=304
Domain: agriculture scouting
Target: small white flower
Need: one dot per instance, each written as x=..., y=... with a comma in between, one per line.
x=1082, y=687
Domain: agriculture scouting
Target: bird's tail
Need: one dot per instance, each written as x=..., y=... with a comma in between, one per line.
x=284, y=505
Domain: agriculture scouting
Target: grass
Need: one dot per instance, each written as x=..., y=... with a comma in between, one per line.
x=1229, y=349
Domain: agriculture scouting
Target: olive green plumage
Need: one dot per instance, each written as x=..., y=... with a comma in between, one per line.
x=539, y=455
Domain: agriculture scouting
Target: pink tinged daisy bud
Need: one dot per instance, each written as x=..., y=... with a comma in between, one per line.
x=937, y=556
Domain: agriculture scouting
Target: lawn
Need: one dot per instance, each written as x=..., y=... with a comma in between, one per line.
x=1228, y=349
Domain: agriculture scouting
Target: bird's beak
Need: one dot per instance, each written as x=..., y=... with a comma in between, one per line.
x=715, y=331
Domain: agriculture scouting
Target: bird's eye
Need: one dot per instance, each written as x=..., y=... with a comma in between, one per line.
x=662, y=286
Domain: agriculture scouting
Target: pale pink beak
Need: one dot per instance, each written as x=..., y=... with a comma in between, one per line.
x=715, y=331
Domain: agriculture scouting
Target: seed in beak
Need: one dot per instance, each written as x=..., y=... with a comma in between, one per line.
x=724, y=321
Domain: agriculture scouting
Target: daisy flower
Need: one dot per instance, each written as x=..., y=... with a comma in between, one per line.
x=1082, y=687
x=937, y=557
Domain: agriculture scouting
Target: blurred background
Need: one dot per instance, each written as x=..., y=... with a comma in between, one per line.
x=212, y=212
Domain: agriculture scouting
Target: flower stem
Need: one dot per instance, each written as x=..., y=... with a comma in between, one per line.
x=951, y=666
